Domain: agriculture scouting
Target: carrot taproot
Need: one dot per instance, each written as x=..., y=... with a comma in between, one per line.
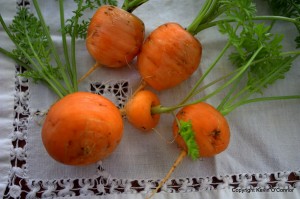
x=82, y=128
x=114, y=37
x=168, y=56
x=138, y=110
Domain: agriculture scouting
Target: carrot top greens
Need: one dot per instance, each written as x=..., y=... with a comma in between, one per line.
x=214, y=12
x=288, y=8
x=256, y=52
x=36, y=51
x=131, y=5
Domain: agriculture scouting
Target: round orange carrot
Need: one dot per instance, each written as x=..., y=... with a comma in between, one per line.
x=82, y=128
x=212, y=133
x=114, y=36
x=138, y=110
x=168, y=56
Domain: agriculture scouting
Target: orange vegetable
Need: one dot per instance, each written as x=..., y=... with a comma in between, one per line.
x=212, y=132
x=82, y=128
x=169, y=56
x=138, y=110
x=114, y=37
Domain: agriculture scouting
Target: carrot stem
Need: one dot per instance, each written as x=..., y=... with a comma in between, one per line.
x=131, y=5
x=51, y=44
x=161, y=109
x=64, y=39
x=201, y=14
x=164, y=180
x=206, y=73
x=210, y=24
x=243, y=69
x=227, y=110
x=15, y=58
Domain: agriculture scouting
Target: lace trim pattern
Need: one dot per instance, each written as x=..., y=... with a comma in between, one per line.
x=19, y=186
x=117, y=92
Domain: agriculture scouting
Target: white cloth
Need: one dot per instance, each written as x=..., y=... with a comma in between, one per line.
x=264, y=136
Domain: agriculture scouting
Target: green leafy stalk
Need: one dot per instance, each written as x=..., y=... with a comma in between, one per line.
x=288, y=8
x=36, y=51
x=210, y=24
x=197, y=84
x=14, y=57
x=65, y=45
x=23, y=53
x=131, y=5
x=187, y=133
x=52, y=47
x=257, y=53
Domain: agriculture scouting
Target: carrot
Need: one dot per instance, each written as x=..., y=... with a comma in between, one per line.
x=200, y=130
x=210, y=127
x=114, y=37
x=82, y=128
x=168, y=56
x=138, y=110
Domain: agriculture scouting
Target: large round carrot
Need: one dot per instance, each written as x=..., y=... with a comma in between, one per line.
x=114, y=37
x=168, y=56
x=82, y=128
x=138, y=110
x=210, y=127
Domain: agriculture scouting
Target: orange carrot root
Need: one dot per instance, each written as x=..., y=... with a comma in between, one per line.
x=82, y=128
x=141, y=87
x=96, y=65
x=211, y=129
x=164, y=180
x=138, y=110
x=114, y=36
x=169, y=56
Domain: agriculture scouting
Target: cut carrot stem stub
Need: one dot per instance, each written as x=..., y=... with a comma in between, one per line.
x=168, y=56
x=138, y=110
x=114, y=36
x=82, y=128
x=210, y=127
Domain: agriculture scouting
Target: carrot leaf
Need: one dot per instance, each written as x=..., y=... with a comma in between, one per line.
x=82, y=24
x=187, y=133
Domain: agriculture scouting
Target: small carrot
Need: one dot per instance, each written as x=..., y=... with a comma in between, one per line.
x=200, y=130
x=82, y=128
x=114, y=37
x=138, y=110
x=168, y=56
x=210, y=127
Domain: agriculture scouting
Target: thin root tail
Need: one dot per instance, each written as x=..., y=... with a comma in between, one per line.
x=164, y=180
x=141, y=86
x=96, y=65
